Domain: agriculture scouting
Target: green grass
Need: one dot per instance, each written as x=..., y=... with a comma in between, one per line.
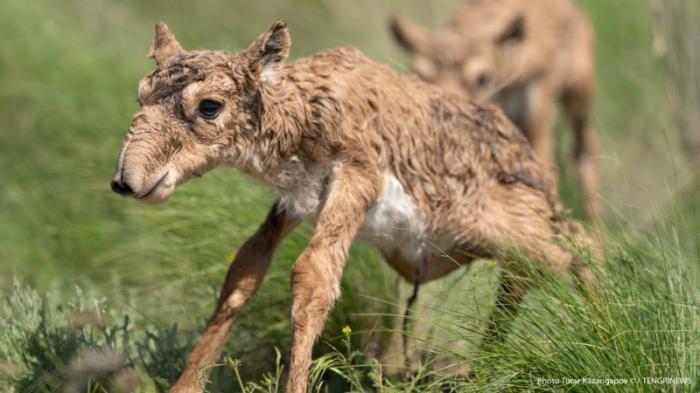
x=68, y=76
x=642, y=325
x=640, y=328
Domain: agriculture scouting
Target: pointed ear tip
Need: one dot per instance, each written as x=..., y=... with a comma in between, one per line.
x=404, y=30
x=395, y=24
x=164, y=44
x=401, y=26
x=279, y=24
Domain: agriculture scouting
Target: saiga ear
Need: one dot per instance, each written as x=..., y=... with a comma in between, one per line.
x=268, y=51
x=514, y=32
x=164, y=45
x=408, y=34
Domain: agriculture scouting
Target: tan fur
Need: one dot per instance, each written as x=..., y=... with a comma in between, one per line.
x=524, y=55
x=323, y=133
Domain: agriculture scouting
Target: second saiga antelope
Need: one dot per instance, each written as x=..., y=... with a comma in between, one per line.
x=352, y=148
x=525, y=55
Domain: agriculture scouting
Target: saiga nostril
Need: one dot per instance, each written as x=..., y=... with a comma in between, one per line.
x=121, y=188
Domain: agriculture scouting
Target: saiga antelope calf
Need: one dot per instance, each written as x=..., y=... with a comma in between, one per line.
x=524, y=55
x=350, y=147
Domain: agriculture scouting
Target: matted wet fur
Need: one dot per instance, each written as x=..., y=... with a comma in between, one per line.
x=524, y=55
x=350, y=147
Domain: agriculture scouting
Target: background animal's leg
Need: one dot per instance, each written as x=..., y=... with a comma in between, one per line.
x=508, y=299
x=245, y=274
x=316, y=274
x=578, y=106
x=409, y=360
x=538, y=125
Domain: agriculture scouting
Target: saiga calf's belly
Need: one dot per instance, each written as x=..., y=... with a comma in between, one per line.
x=396, y=226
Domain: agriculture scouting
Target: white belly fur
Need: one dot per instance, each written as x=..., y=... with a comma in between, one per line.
x=394, y=223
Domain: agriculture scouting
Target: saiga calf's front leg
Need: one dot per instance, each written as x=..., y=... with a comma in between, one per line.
x=316, y=274
x=245, y=274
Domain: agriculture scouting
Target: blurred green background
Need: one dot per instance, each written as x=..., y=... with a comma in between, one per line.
x=68, y=77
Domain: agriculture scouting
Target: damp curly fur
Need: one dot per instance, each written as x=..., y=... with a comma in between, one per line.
x=354, y=149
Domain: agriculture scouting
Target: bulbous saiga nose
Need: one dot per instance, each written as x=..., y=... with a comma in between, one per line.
x=121, y=188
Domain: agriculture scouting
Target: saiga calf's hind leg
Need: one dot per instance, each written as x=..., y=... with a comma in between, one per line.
x=245, y=274
x=517, y=223
x=509, y=296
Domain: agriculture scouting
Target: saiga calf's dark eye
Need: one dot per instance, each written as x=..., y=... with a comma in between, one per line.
x=483, y=80
x=209, y=109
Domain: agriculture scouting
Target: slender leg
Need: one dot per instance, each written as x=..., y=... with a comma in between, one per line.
x=578, y=106
x=537, y=125
x=517, y=224
x=409, y=360
x=508, y=299
x=584, y=277
x=245, y=274
x=315, y=287
x=316, y=274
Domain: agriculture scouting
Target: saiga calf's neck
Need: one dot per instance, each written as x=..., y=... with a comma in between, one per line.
x=292, y=133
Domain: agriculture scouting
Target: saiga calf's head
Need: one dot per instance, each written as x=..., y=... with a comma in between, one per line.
x=474, y=56
x=197, y=110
